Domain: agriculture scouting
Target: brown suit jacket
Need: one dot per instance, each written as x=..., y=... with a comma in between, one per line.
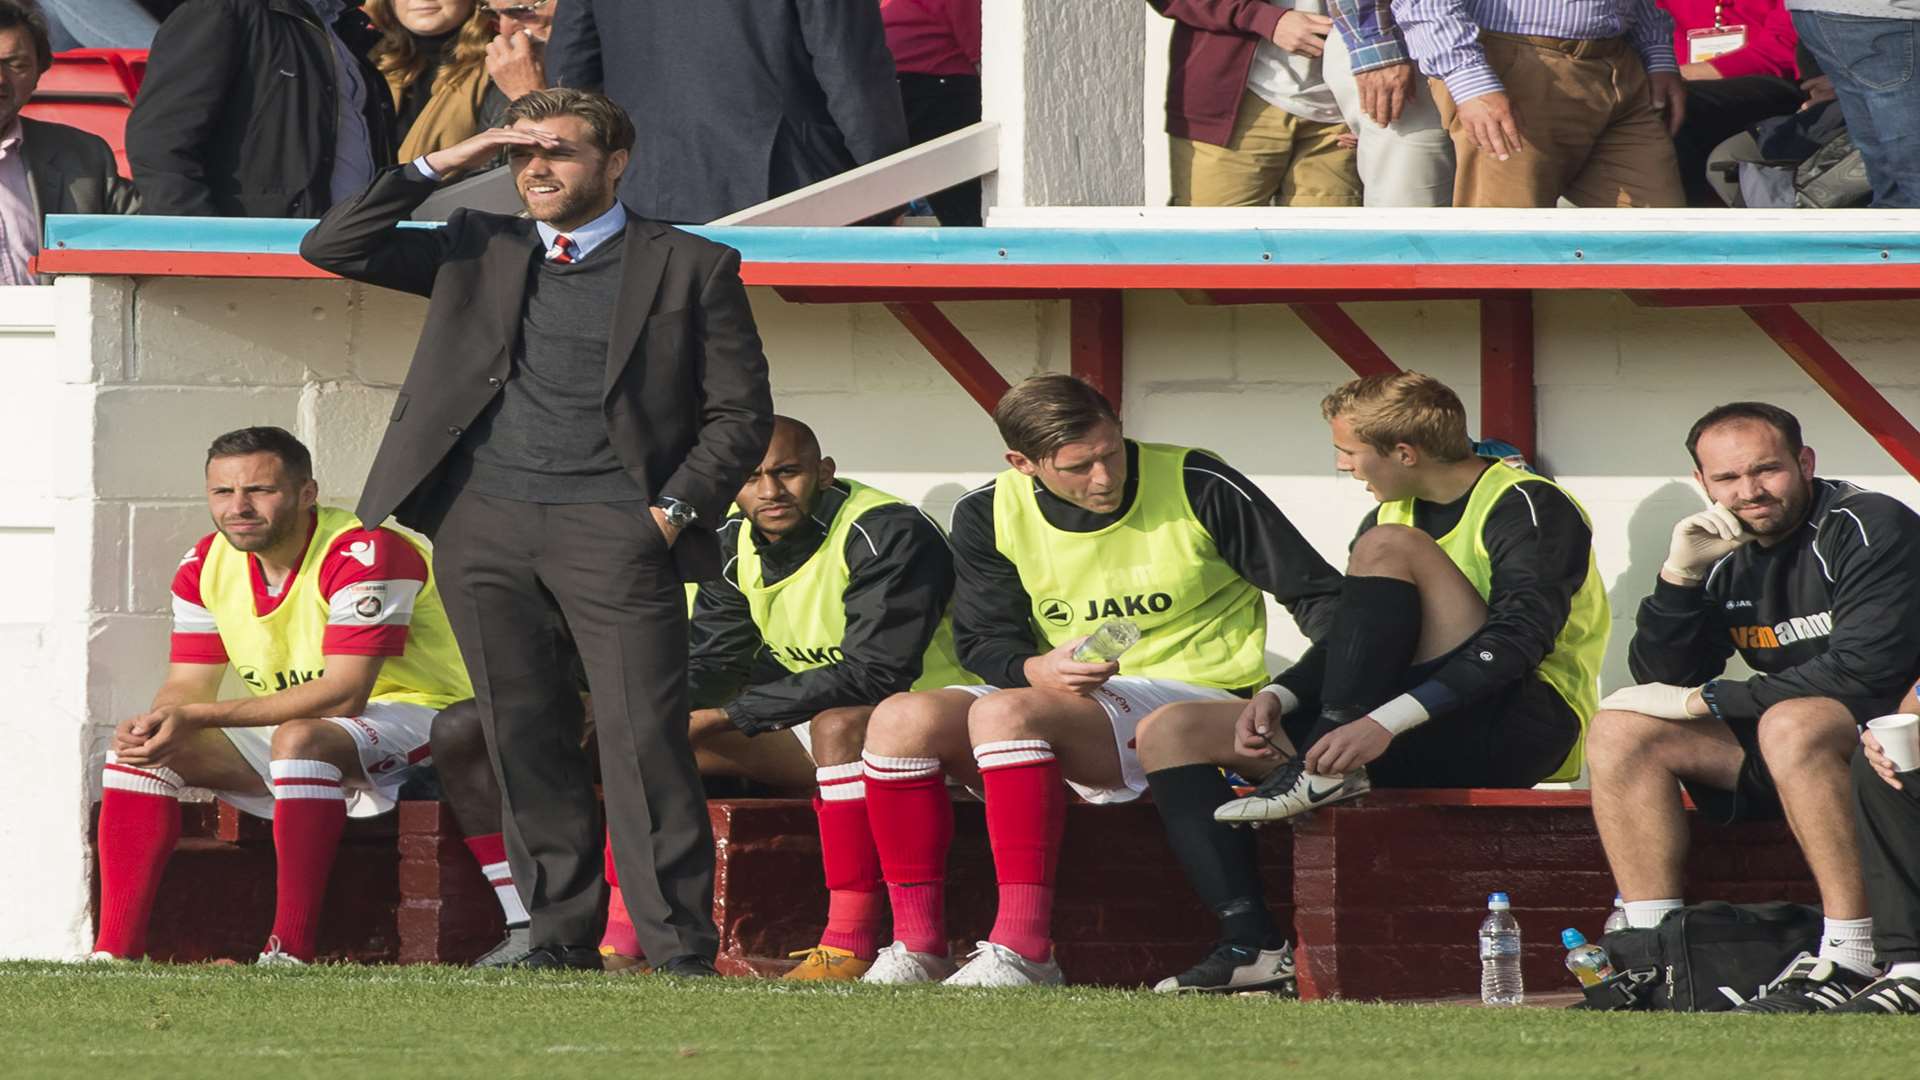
x=687, y=405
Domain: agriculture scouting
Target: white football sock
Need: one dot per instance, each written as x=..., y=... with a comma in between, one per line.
x=1904, y=970
x=1646, y=914
x=1849, y=942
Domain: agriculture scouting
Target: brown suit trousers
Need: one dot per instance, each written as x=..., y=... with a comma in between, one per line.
x=1587, y=122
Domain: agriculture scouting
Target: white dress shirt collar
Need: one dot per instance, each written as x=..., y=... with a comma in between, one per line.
x=588, y=236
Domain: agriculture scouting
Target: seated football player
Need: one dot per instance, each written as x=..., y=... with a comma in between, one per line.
x=835, y=597
x=339, y=635
x=1464, y=652
x=1086, y=527
x=1816, y=585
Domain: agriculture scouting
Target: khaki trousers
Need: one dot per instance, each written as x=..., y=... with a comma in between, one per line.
x=1272, y=158
x=1587, y=124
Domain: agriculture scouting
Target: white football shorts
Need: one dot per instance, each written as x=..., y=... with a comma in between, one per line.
x=393, y=739
x=1127, y=700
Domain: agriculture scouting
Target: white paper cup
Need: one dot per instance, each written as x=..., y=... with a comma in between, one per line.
x=1899, y=737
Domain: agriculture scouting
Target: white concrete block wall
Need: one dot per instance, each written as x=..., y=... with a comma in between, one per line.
x=54, y=343
x=123, y=384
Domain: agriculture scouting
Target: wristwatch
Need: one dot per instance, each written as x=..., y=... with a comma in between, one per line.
x=680, y=514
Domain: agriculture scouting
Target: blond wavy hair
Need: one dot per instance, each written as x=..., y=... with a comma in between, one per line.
x=1405, y=407
x=396, y=53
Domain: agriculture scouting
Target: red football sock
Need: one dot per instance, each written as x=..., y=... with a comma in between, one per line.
x=855, y=915
x=1026, y=816
x=139, y=825
x=619, y=934
x=912, y=822
x=490, y=851
x=309, y=812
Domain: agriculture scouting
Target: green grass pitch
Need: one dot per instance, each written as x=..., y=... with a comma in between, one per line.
x=143, y=1021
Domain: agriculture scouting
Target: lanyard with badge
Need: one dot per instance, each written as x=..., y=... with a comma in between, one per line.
x=1703, y=44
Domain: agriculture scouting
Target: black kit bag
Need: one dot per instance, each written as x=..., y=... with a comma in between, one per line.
x=1835, y=177
x=1706, y=958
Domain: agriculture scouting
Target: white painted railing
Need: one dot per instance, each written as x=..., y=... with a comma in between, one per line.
x=883, y=185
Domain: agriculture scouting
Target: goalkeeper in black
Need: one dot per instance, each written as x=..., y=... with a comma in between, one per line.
x=1815, y=584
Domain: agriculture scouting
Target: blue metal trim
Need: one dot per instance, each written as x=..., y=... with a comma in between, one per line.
x=1108, y=247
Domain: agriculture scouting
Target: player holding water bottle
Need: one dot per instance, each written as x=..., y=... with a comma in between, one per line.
x=1084, y=529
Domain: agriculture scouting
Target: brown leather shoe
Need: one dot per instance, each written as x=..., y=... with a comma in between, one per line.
x=614, y=963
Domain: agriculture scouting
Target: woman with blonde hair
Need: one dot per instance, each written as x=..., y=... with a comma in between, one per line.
x=434, y=56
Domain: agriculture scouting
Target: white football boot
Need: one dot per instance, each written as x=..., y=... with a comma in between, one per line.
x=997, y=965
x=899, y=966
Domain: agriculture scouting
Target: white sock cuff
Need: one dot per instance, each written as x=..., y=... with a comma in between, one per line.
x=295, y=778
x=1001, y=755
x=1646, y=914
x=1848, y=927
x=842, y=783
x=500, y=876
x=828, y=774
x=881, y=767
x=152, y=780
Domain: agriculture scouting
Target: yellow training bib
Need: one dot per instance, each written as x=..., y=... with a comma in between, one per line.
x=286, y=646
x=1573, y=667
x=1200, y=621
x=802, y=618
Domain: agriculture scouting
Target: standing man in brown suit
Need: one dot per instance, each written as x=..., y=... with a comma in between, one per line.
x=588, y=394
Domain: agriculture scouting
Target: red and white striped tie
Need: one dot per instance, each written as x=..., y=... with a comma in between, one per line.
x=562, y=250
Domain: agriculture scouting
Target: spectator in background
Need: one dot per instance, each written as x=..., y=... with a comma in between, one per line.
x=936, y=53
x=1868, y=48
x=44, y=168
x=1405, y=156
x=1602, y=98
x=1251, y=118
x=98, y=24
x=434, y=56
x=1737, y=57
x=735, y=101
x=259, y=108
x=517, y=58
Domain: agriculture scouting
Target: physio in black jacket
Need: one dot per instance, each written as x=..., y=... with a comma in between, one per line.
x=259, y=108
x=1815, y=584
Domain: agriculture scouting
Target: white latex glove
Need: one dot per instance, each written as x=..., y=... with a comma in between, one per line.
x=1703, y=539
x=1662, y=701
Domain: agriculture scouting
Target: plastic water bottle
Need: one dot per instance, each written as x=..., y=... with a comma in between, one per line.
x=1500, y=954
x=1108, y=643
x=1617, y=918
x=1589, y=963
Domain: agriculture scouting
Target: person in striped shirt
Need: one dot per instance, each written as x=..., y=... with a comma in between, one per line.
x=1601, y=90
